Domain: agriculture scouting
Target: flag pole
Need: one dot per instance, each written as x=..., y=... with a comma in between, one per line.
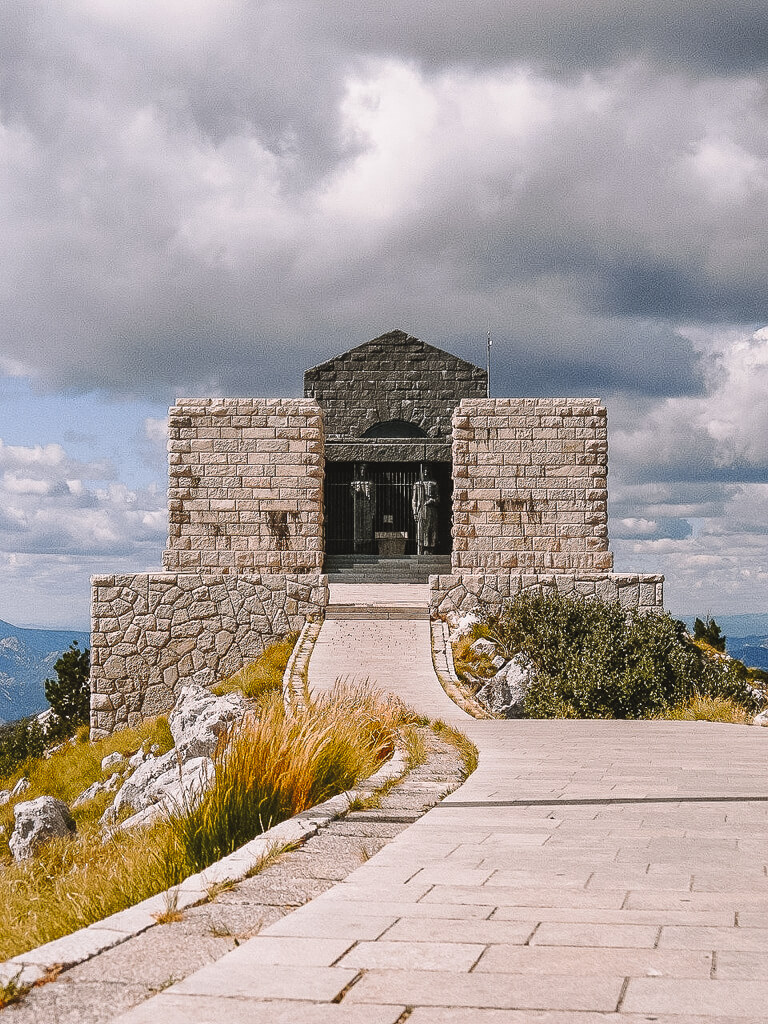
x=488, y=364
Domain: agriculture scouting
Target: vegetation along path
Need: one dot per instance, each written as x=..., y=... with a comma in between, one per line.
x=588, y=871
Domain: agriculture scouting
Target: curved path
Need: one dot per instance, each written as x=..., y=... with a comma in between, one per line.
x=589, y=872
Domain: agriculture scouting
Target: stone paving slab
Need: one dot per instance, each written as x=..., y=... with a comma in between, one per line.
x=588, y=872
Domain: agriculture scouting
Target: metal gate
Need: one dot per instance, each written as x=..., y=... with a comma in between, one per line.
x=393, y=486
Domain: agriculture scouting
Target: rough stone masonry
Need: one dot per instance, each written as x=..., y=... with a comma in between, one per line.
x=246, y=535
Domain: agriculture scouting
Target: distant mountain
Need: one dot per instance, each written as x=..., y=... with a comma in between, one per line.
x=752, y=650
x=27, y=657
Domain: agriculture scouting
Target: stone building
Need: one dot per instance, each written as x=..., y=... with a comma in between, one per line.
x=395, y=466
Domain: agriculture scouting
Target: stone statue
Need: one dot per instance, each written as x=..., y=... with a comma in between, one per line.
x=364, y=500
x=424, y=502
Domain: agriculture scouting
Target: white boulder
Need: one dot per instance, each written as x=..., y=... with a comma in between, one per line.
x=5, y=797
x=463, y=625
x=165, y=780
x=111, y=761
x=761, y=719
x=108, y=786
x=36, y=822
x=200, y=719
x=504, y=693
x=484, y=646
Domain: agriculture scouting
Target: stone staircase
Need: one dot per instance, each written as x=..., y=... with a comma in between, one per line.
x=373, y=569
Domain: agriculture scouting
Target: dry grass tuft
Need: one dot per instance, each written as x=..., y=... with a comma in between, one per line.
x=170, y=914
x=466, y=748
x=700, y=708
x=274, y=766
x=264, y=675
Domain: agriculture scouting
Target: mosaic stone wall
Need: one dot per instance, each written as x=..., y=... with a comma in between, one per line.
x=150, y=632
x=394, y=377
x=245, y=491
x=452, y=596
x=530, y=485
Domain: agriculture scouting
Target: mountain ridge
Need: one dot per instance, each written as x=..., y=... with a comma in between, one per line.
x=27, y=657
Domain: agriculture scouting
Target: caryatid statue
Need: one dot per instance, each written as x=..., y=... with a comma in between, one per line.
x=425, y=499
x=364, y=501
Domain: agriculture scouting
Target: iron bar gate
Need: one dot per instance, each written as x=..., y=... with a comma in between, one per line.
x=393, y=487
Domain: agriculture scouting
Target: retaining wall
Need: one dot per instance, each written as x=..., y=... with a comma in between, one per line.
x=150, y=632
x=452, y=596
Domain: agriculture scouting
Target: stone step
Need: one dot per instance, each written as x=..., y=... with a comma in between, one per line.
x=363, y=577
x=372, y=569
x=376, y=611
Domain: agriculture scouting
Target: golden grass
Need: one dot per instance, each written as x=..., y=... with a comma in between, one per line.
x=264, y=675
x=276, y=765
x=75, y=767
x=72, y=883
x=709, y=709
x=471, y=668
x=272, y=767
x=466, y=748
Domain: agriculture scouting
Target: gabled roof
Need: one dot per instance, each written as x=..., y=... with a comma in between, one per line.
x=403, y=348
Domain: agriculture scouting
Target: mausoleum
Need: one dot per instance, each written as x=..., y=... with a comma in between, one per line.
x=395, y=466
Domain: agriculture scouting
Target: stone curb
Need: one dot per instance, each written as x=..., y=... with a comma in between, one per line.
x=442, y=660
x=295, y=670
x=28, y=968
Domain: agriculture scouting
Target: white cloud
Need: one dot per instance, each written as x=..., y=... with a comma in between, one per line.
x=45, y=509
x=156, y=430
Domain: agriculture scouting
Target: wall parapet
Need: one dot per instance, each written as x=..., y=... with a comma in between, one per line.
x=245, y=485
x=458, y=594
x=150, y=632
x=530, y=485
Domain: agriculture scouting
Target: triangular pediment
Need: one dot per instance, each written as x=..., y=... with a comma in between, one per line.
x=405, y=351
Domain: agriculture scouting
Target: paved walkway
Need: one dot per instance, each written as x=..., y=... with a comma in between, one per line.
x=587, y=873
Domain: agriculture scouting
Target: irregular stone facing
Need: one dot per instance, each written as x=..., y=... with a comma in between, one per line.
x=393, y=377
x=151, y=631
x=245, y=489
x=530, y=485
x=452, y=597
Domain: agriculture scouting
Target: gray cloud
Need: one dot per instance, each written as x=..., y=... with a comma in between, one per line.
x=206, y=197
x=209, y=204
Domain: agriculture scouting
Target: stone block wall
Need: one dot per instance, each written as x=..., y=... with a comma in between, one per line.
x=530, y=485
x=152, y=631
x=452, y=596
x=394, y=377
x=245, y=490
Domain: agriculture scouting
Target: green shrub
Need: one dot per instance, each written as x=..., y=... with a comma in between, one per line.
x=20, y=742
x=595, y=660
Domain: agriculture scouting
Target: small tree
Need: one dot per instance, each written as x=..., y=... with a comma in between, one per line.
x=710, y=632
x=70, y=693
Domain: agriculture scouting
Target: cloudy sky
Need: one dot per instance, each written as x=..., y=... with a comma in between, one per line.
x=206, y=196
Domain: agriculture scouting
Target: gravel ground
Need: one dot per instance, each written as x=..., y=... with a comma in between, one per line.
x=112, y=982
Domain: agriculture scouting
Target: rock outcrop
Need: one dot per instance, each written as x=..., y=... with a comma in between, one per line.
x=200, y=720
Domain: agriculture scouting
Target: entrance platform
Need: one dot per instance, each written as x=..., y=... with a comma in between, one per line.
x=588, y=872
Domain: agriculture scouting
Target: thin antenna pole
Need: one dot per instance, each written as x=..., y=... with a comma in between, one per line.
x=488, y=364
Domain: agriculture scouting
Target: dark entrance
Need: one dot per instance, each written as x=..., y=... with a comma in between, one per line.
x=393, y=487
